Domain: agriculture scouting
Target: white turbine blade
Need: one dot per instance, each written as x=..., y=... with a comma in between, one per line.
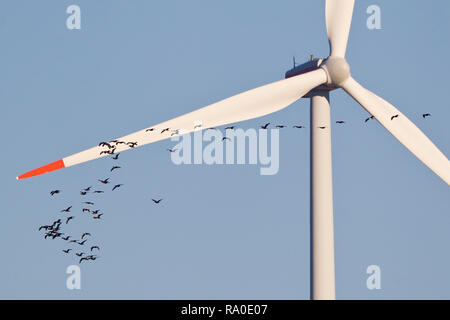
x=338, y=15
x=401, y=128
x=247, y=105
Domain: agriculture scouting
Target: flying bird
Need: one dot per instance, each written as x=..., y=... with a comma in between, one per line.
x=226, y=138
x=322, y=127
x=114, y=168
x=98, y=217
x=116, y=157
x=393, y=117
x=156, y=201
x=65, y=238
x=117, y=186
x=79, y=254
x=149, y=129
x=104, y=144
x=229, y=128
x=82, y=259
x=197, y=126
x=83, y=193
x=426, y=115
x=87, y=189
x=298, y=127
x=81, y=243
x=340, y=122
x=280, y=126
x=95, y=247
x=369, y=118
x=164, y=130
x=85, y=234
x=172, y=150
x=53, y=192
x=99, y=191
x=89, y=203
x=86, y=210
x=67, y=209
x=67, y=250
x=265, y=126
x=95, y=211
x=106, y=181
x=69, y=218
x=132, y=144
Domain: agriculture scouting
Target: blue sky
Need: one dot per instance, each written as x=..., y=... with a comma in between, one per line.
x=221, y=231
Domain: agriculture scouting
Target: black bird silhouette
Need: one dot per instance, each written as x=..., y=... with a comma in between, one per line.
x=369, y=118
x=116, y=157
x=229, y=128
x=149, y=129
x=226, y=138
x=340, y=122
x=280, y=126
x=65, y=238
x=156, y=201
x=95, y=211
x=79, y=254
x=426, y=115
x=106, y=181
x=164, y=130
x=393, y=117
x=99, y=191
x=321, y=128
x=104, y=144
x=67, y=250
x=67, y=209
x=132, y=144
x=95, y=247
x=82, y=259
x=75, y=241
x=81, y=243
x=298, y=127
x=197, y=126
x=114, y=168
x=171, y=150
x=87, y=189
x=265, y=126
x=117, y=186
x=44, y=227
x=69, y=218
x=83, y=193
x=88, y=202
x=212, y=128
x=98, y=217
x=86, y=210
x=85, y=234
x=53, y=192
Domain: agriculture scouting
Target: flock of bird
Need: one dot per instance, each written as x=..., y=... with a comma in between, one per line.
x=54, y=229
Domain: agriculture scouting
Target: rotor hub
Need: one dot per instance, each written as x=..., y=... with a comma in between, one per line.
x=337, y=70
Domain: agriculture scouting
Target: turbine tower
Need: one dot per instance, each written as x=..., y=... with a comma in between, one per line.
x=314, y=79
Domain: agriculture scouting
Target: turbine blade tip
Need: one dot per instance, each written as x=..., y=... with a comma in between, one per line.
x=44, y=169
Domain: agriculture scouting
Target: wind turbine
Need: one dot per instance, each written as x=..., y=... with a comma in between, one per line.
x=314, y=79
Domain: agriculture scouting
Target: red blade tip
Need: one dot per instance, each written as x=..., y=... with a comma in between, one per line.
x=44, y=169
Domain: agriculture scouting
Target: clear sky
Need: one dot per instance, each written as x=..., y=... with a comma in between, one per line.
x=221, y=231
